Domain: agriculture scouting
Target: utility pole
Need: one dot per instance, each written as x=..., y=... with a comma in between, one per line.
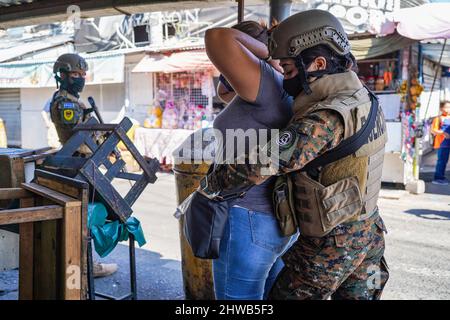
x=241, y=6
x=279, y=10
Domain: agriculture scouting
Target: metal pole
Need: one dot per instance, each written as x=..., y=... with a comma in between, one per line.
x=240, y=10
x=133, y=284
x=435, y=77
x=279, y=10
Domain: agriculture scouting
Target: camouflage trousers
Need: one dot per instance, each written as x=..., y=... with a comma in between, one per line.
x=348, y=263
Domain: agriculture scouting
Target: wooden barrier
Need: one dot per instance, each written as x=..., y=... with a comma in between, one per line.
x=53, y=236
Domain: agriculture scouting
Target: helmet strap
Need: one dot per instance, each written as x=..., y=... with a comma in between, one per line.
x=302, y=74
x=58, y=80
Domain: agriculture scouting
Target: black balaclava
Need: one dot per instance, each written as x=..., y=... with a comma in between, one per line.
x=71, y=84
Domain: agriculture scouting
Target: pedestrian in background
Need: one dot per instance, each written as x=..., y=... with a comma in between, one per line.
x=440, y=128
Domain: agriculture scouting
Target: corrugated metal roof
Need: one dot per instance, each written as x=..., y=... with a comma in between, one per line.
x=8, y=3
x=11, y=49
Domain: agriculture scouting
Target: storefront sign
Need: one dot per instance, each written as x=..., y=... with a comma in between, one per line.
x=358, y=13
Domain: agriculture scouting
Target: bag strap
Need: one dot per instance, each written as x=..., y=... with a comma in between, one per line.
x=349, y=145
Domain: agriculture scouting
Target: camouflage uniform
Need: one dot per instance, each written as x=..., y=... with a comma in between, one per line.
x=64, y=130
x=347, y=263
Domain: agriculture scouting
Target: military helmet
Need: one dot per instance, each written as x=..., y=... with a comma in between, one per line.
x=307, y=29
x=70, y=62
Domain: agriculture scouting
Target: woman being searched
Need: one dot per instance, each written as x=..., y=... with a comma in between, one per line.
x=250, y=249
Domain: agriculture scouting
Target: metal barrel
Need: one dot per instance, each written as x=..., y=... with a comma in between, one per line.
x=197, y=273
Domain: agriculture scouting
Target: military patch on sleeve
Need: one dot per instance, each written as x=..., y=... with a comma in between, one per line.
x=286, y=139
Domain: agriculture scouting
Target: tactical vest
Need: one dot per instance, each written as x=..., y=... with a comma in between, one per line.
x=346, y=190
x=66, y=112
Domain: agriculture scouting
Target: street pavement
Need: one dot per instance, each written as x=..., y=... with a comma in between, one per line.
x=417, y=246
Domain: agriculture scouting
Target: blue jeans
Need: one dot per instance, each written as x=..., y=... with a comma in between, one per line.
x=442, y=155
x=250, y=255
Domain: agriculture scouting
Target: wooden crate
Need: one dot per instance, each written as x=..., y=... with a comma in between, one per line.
x=52, y=223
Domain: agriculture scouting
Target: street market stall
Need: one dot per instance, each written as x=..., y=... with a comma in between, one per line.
x=183, y=89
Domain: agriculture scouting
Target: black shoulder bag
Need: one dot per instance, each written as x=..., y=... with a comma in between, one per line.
x=205, y=219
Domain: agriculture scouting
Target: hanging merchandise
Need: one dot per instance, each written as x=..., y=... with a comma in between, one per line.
x=190, y=115
x=155, y=117
x=170, y=116
x=182, y=111
x=208, y=86
x=387, y=75
x=415, y=90
x=379, y=84
x=408, y=129
x=199, y=116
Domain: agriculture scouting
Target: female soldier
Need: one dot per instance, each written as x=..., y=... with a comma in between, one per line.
x=340, y=249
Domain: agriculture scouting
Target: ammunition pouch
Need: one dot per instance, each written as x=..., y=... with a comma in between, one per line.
x=315, y=209
x=320, y=209
x=283, y=200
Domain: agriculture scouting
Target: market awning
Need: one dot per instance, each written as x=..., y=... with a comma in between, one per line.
x=433, y=51
x=373, y=47
x=103, y=68
x=428, y=21
x=176, y=62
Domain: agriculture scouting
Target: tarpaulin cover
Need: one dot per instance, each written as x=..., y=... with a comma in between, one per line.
x=373, y=47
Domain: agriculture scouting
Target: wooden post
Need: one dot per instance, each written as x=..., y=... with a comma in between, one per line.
x=79, y=190
x=71, y=254
x=26, y=251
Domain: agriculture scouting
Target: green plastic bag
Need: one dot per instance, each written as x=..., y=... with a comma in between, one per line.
x=106, y=235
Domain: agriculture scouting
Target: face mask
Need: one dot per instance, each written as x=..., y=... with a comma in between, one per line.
x=299, y=84
x=72, y=85
x=293, y=86
x=76, y=85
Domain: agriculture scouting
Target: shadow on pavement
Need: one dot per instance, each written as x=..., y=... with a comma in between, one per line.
x=430, y=214
x=157, y=278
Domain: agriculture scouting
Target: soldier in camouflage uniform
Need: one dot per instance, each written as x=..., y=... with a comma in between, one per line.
x=344, y=260
x=66, y=109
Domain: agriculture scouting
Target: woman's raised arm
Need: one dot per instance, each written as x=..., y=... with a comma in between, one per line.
x=236, y=55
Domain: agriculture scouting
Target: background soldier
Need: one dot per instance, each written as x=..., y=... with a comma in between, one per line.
x=66, y=111
x=340, y=250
